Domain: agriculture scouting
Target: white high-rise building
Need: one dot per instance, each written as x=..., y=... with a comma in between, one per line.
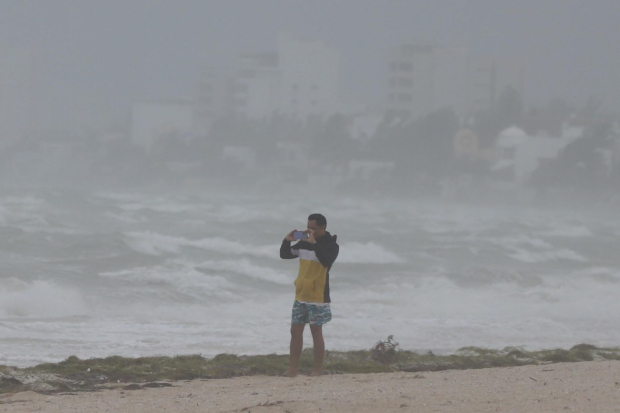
x=410, y=82
x=256, y=87
x=425, y=78
x=298, y=80
x=213, y=95
x=310, y=77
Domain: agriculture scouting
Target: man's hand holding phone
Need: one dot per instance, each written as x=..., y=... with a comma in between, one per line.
x=289, y=236
x=295, y=235
x=310, y=239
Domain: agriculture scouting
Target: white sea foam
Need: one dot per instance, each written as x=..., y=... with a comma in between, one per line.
x=568, y=231
x=601, y=274
x=3, y=213
x=50, y=229
x=175, y=276
x=154, y=244
x=239, y=214
x=366, y=253
x=544, y=256
x=520, y=239
x=440, y=298
x=600, y=271
x=40, y=299
x=125, y=218
x=178, y=292
x=433, y=312
x=249, y=269
x=157, y=206
x=536, y=250
x=444, y=220
x=26, y=203
x=116, y=196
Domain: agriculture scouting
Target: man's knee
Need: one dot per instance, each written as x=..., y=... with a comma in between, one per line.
x=297, y=330
x=317, y=331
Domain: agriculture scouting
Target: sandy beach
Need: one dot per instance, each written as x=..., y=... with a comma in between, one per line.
x=578, y=387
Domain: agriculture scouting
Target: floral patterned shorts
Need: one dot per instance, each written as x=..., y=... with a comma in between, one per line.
x=313, y=314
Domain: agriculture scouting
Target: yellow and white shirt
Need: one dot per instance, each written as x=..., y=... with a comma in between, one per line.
x=315, y=261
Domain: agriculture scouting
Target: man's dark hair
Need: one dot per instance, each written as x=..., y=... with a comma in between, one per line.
x=320, y=219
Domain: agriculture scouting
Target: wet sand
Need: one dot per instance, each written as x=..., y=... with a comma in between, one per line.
x=564, y=387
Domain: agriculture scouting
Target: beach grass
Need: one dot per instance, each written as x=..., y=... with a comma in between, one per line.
x=74, y=374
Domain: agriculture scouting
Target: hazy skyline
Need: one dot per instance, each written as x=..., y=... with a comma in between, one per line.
x=95, y=58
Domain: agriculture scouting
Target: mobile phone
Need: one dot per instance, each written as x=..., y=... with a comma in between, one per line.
x=300, y=235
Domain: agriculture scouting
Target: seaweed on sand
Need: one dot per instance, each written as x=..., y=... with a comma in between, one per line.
x=75, y=374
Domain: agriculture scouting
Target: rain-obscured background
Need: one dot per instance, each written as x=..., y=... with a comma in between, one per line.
x=153, y=154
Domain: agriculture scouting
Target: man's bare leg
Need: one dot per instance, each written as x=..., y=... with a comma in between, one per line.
x=297, y=343
x=319, y=349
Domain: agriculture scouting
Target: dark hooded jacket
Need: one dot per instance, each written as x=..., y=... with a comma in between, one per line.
x=315, y=261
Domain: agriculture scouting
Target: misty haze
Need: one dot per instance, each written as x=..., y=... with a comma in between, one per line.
x=154, y=154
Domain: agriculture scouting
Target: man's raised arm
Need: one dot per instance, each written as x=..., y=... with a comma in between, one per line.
x=286, y=252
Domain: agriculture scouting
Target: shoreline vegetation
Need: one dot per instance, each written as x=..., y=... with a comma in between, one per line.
x=75, y=375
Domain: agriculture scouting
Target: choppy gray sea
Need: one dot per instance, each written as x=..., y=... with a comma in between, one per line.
x=137, y=274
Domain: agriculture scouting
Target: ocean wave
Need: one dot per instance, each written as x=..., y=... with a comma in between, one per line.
x=248, y=269
x=157, y=206
x=239, y=214
x=544, y=256
x=40, y=299
x=555, y=297
x=116, y=196
x=174, y=276
x=3, y=213
x=368, y=253
x=568, y=231
x=151, y=243
x=124, y=218
x=536, y=250
x=29, y=203
x=601, y=274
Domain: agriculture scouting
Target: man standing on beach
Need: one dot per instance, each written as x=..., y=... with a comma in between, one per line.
x=316, y=255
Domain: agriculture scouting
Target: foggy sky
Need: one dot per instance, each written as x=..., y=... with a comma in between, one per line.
x=96, y=57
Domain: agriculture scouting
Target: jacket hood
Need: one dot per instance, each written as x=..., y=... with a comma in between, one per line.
x=328, y=237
